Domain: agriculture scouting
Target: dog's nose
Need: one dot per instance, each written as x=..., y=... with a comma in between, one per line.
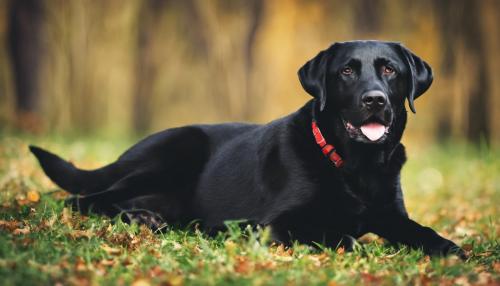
x=374, y=99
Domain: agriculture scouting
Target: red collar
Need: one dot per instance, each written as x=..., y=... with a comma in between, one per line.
x=327, y=149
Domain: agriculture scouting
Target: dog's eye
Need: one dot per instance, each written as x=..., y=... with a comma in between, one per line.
x=387, y=70
x=346, y=71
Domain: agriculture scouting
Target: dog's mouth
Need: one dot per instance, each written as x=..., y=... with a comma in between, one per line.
x=371, y=130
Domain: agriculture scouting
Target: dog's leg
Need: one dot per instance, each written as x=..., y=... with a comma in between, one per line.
x=400, y=229
x=129, y=187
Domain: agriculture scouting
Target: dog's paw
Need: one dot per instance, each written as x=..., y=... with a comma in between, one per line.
x=152, y=220
x=444, y=248
x=348, y=243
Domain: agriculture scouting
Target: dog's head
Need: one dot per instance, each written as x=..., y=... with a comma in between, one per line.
x=366, y=84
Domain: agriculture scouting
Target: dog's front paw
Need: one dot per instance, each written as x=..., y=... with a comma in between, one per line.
x=347, y=242
x=151, y=219
x=445, y=247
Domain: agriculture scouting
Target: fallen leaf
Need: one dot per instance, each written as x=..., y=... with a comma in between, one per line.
x=282, y=251
x=484, y=278
x=266, y=265
x=9, y=225
x=19, y=231
x=332, y=283
x=319, y=259
x=33, y=196
x=107, y=262
x=47, y=224
x=110, y=250
x=103, y=231
x=370, y=278
x=135, y=240
x=242, y=265
x=496, y=267
x=462, y=281
x=80, y=264
x=141, y=282
x=126, y=261
x=155, y=253
x=340, y=250
x=80, y=233
x=66, y=216
x=21, y=200
x=175, y=279
x=467, y=247
x=156, y=271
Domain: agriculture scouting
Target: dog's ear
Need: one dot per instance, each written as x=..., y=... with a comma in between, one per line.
x=312, y=75
x=420, y=75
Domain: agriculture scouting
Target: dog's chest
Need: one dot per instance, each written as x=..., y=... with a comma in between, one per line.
x=370, y=188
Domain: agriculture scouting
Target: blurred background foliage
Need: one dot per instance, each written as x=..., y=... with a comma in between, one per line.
x=117, y=67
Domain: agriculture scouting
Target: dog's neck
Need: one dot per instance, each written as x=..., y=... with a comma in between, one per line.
x=356, y=155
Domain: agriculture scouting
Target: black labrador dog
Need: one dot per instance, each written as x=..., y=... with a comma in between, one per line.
x=328, y=171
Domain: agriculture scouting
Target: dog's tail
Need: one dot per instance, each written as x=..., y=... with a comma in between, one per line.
x=70, y=178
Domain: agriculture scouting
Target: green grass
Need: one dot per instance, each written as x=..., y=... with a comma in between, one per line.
x=456, y=190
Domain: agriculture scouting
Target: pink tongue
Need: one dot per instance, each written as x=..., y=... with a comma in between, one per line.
x=373, y=131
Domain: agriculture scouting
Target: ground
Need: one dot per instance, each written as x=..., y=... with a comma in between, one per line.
x=454, y=189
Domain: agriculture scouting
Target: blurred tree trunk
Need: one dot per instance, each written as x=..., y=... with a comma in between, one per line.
x=478, y=115
x=450, y=37
x=25, y=20
x=230, y=29
x=255, y=11
x=460, y=26
x=146, y=69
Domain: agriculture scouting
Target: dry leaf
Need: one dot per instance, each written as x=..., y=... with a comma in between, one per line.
x=282, y=251
x=483, y=278
x=141, y=282
x=319, y=259
x=332, y=283
x=66, y=216
x=19, y=231
x=267, y=265
x=340, y=250
x=33, y=196
x=9, y=225
x=155, y=253
x=110, y=250
x=156, y=271
x=462, y=281
x=80, y=233
x=370, y=278
x=107, y=262
x=496, y=267
x=80, y=264
x=21, y=200
x=175, y=279
x=242, y=265
x=467, y=247
x=135, y=240
x=48, y=223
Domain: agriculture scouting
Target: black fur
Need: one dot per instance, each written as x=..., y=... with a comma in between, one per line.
x=275, y=174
